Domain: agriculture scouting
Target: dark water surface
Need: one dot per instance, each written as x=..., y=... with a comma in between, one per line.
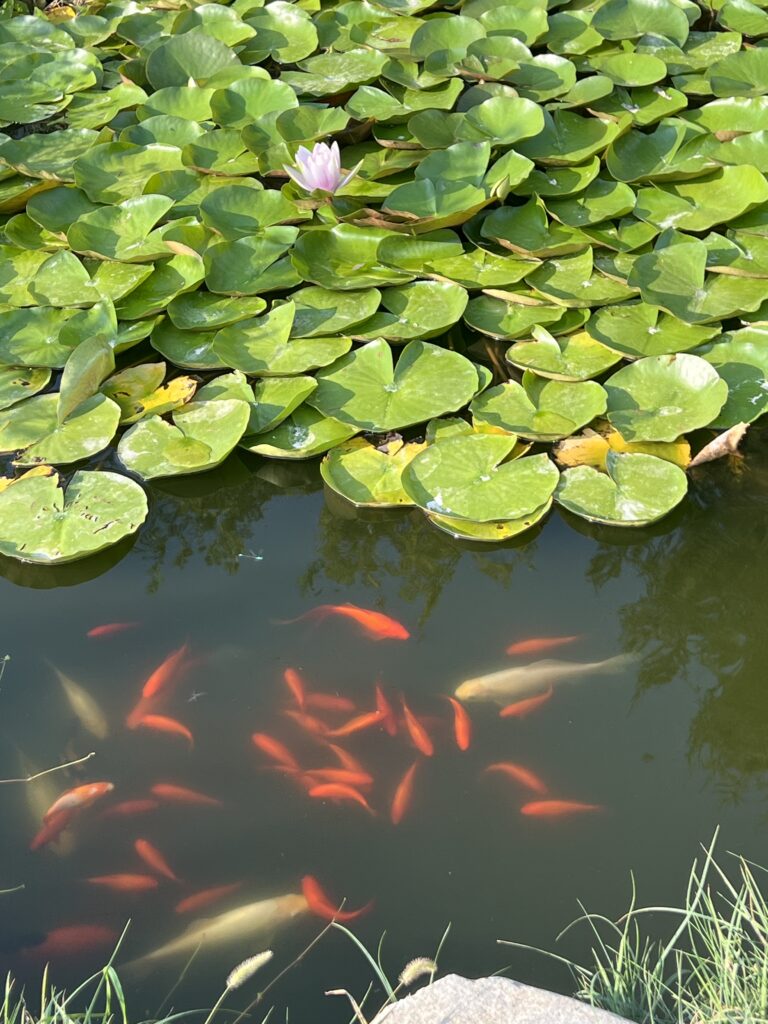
x=672, y=748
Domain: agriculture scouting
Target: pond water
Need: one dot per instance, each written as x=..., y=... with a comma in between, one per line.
x=671, y=747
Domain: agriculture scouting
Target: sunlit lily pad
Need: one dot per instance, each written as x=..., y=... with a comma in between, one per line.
x=577, y=356
x=41, y=522
x=19, y=382
x=365, y=390
x=203, y=433
x=202, y=311
x=637, y=329
x=303, y=435
x=635, y=490
x=367, y=475
x=741, y=359
x=274, y=399
x=489, y=533
x=325, y=311
x=660, y=397
x=466, y=477
x=422, y=309
x=33, y=429
x=540, y=409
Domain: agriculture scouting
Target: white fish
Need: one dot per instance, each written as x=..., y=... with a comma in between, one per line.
x=250, y=921
x=40, y=795
x=528, y=680
x=86, y=709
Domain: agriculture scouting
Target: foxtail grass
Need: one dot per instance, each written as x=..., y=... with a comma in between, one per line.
x=711, y=969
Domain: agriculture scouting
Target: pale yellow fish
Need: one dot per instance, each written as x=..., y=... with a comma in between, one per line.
x=86, y=709
x=249, y=922
x=40, y=795
x=510, y=684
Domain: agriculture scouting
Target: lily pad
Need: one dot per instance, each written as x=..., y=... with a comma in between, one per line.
x=19, y=382
x=637, y=329
x=660, y=397
x=303, y=435
x=326, y=311
x=489, y=533
x=635, y=490
x=466, y=477
x=274, y=399
x=540, y=409
x=369, y=476
x=41, y=522
x=364, y=390
x=33, y=429
x=422, y=309
x=571, y=357
x=741, y=359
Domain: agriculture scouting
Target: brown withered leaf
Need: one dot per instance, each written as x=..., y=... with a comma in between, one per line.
x=726, y=443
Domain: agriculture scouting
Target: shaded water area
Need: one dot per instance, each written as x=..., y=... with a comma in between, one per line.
x=672, y=747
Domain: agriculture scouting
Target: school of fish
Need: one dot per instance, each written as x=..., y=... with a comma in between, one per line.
x=334, y=776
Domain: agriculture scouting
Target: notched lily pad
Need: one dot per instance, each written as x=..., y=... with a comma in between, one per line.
x=367, y=475
x=540, y=409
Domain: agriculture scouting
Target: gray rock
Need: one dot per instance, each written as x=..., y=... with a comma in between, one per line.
x=455, y=1000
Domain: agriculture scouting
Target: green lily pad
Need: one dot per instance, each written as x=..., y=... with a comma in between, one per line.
x=203, y=433
x=33, y=428
x=489, y=533
x=363, y=389
x=274, y=399
x=568, y=139
x=540, y=409
x=509, y=319
x=303, y=435
x=526, y=230
x=124, y=231
x=192, y=350
x=344, y=257
x=571, y=357
x=658, y=398
x=40, y=522
x=168, y=279
x=638, y=329
x=466, y=477
x=19, y=382
x=422, y=309
x=324, y=311
x=699, y=205
x=251, y=265
x=192, y=55
x=599, y=201
x=201, y=311
x=369, y=476
x=741, y=359
x=88, y=365
x=48, y=156
x=629, y=19
x=481, y=269
x=635, y=490
x=114, y=171
x=32, y=337
x=570, y=280
x=236, y=212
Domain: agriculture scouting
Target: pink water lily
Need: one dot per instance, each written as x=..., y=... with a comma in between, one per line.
x=320, y=168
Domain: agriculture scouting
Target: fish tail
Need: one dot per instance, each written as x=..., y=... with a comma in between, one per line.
x=314, y=614
x=617, y=663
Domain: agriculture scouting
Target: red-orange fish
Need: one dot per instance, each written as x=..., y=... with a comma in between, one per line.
x=128, y=808
x=308, y=723
x=275, y=750
x=124, y=882
x=349, y=778
x=52, y=829
x=417, y=732
x=521, y=708
x=330, y=702
x=366, y=721
x=321, y=905
x=154, y=859
x=169, y=726
x=520, y=774
x=556, y=808
x=78, y=798
x=403, y=795
x=205, y=897
x=374, y=625
x=338, y=793
x=166, y=672
x=72, y=940
x=345, y=759
x=462, y=725
x=540, y=643
x=296, y=685
x=389, y=719
x=182, y=795
x=110, y=628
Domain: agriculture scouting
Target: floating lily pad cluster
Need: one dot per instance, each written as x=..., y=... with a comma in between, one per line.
x=550, y=266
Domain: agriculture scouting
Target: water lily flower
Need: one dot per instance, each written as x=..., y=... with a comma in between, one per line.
x=320, y=168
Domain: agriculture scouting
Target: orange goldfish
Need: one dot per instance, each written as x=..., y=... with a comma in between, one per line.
x=556, y=808
x=403, y=795
x=204, y=898
x=359, y=779
x=78, y=798
x=110, y=628
x=519, y=774
x=182, y=795
x=154, y=859
x=130, y=807
x=165, y=673
x=330, y=702
x=275, y=750
x=366, y=721
x=337, y=792
x=296, y=685
x=72, y=940
x=170, y=726
x=462, y=724
x=52, y=829
x=540, y=643
x=124, y=883
x=307, y=722
x=345, y=759
x=389, y=718
x=320, y=904
x=374, y=625
x=417, y=732
x=521, y=708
